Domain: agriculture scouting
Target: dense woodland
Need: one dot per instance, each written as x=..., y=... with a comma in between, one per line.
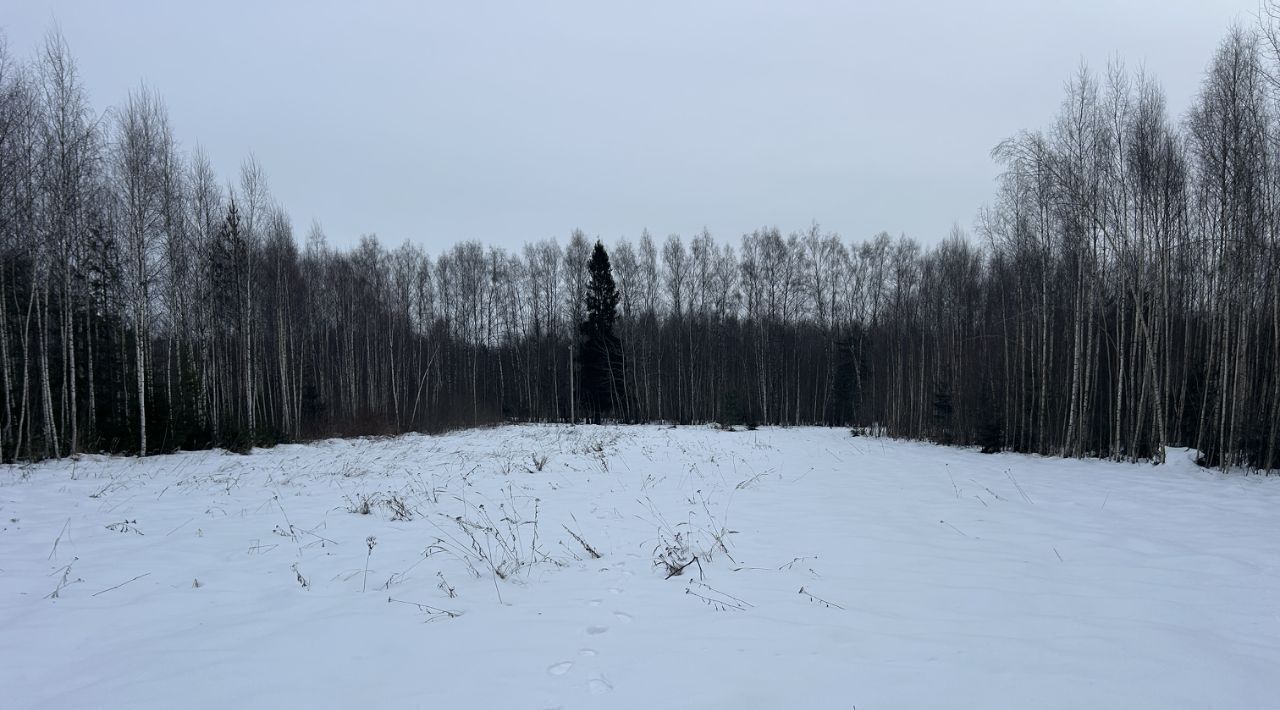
x=1119, y=294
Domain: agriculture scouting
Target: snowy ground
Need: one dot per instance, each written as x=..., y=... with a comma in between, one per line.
x=832, y=572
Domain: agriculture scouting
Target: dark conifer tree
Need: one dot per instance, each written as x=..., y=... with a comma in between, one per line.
x=601, y=351
x=942, y=415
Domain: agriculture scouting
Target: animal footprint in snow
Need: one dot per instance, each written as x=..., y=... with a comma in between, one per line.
x=587, y=652
x=560, y=668
x=615, y=590
x=594, y=602
x=622, y=616
x=597, y=630
x=599, y=686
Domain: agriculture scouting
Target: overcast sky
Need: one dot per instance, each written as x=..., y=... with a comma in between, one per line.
x=508, y=122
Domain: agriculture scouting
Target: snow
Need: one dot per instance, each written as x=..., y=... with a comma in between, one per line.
x=931, y=577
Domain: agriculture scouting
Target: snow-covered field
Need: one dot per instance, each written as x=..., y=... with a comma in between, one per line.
x=831, y=572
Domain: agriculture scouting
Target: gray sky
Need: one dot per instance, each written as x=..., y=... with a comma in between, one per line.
x=508, y=122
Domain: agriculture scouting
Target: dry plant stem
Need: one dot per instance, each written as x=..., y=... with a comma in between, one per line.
x=120, y=584
x=585, y=545
x=819, y=600
x=54, y=552
x=370, y=542
x=434, y=611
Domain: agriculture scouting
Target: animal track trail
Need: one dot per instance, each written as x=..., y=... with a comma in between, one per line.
x=599, y=685
x=588, y=661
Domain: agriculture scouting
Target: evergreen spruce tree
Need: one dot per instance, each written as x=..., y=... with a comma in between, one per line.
x=990, y=433
x=600, y=350
x=942, y=411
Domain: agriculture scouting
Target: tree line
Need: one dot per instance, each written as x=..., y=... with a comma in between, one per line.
x=1122, y=294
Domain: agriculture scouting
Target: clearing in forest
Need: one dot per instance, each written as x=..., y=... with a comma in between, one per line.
x=636, y=567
